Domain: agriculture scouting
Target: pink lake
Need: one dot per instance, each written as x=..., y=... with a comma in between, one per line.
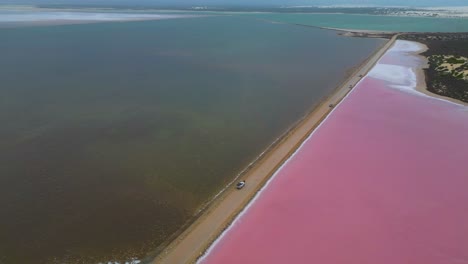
x=383, y=180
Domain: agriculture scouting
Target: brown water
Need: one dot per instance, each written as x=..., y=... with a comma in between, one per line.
x=113, y=135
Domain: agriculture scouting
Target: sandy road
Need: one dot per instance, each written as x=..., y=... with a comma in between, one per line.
x=191, y=244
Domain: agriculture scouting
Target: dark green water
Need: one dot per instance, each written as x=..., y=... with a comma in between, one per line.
x=113, y=135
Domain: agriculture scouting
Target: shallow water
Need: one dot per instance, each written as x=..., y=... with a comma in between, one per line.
x=114, y=134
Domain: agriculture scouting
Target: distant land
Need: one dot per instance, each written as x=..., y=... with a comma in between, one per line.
x=382, y=19
x=247, y=3
x=461, y=12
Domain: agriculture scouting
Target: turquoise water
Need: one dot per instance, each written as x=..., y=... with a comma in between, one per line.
x=113, y=135
x=372, y=22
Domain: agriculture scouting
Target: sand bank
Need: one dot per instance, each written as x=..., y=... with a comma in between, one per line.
x=17, y=18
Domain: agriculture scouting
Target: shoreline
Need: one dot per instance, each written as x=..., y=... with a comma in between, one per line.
x=191, y=243
x=421, y=76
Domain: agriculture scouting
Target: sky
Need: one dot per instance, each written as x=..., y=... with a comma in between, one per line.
x=249, y=2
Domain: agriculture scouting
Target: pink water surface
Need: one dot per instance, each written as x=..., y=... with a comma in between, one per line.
x=383, y=180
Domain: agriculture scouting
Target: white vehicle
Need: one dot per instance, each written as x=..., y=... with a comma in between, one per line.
x=240, y=185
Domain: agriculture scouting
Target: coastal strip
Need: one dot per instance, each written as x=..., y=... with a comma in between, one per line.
x=357, y=33
x=193, y=242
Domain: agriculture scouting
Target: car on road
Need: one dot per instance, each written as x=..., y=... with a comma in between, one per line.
x=240, y=185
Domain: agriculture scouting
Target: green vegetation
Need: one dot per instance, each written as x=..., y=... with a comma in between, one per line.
x=449, y=65
x=454, y=60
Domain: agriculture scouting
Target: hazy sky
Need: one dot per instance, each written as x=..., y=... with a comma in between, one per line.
x=251, y=2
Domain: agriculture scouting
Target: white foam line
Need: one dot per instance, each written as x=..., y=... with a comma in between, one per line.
x=406, y=46
x=414, y=91
x=264, y=187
